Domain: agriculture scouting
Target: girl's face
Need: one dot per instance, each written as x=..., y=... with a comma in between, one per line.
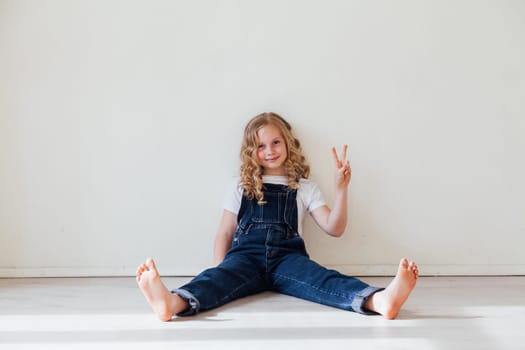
x=271, y=150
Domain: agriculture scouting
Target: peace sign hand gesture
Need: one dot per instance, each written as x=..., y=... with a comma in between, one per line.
x=343, y=172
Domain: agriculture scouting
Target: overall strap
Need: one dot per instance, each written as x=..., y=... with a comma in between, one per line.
x=290, y=212
x=244, y=214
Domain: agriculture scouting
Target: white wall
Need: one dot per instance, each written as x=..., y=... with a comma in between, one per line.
x=120, y=125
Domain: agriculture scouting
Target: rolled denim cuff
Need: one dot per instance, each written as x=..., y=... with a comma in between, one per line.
x=361, y=298
x=193, y=303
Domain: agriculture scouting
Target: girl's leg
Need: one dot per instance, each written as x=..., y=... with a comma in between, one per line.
x=301, y=277
x=298, y=276
x=238, y=276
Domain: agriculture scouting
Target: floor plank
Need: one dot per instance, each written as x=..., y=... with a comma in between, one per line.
x=78, y=313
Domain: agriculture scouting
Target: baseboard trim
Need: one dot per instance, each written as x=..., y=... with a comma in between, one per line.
x=353, y=270
x=434, y=270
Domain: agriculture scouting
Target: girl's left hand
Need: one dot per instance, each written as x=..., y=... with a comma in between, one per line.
x=343, y=172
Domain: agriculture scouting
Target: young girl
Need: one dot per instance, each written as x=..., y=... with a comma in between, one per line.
x=258, y=245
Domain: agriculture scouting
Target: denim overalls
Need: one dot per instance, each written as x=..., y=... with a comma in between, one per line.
x=267, y=253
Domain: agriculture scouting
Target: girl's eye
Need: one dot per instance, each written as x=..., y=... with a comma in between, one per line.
x=260, y=146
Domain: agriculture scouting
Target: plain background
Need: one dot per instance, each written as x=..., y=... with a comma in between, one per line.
x=121, y=121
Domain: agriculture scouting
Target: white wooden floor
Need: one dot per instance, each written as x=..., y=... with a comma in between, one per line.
x=110, y=313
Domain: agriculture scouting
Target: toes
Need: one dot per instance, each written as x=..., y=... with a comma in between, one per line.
x=413, y=267
x=409, y=266
x=415, y=271
x=140, y=270
x=151, y=264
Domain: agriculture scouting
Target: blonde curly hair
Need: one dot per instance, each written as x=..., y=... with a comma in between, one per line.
x=251, y=172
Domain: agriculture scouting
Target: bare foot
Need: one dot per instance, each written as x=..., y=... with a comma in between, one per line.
x=164, y=304
x=388, y=302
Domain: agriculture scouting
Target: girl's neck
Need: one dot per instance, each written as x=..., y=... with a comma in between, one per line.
x=274, y=173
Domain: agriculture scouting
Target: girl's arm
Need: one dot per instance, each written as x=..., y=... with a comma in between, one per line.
x=333, y=221
x=224, y=236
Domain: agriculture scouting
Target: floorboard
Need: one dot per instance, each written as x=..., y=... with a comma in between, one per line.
x=110, y=313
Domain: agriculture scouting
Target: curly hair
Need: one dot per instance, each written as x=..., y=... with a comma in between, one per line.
x=251, y=172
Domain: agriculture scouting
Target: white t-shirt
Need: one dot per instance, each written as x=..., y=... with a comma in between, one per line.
x=309, y=196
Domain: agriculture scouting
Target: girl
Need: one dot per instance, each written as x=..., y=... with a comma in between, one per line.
x=258, y=245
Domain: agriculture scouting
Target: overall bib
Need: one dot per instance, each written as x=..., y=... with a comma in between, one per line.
x=267, y=253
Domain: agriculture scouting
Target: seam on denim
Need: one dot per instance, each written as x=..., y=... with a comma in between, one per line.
x=310, y=285
x=233, y=292
x=284, y=212
x=266, y=247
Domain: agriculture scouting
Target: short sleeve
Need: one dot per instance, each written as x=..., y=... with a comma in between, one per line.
x=313, y=196
x=233, y=197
